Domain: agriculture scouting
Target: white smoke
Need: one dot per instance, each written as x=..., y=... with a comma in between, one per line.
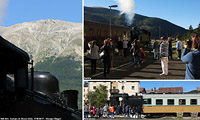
x=3, y=5
x=127, y=8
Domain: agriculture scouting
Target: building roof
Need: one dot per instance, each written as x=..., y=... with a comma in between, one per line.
x=171, y=90
x=142, y=89
x=198, y=88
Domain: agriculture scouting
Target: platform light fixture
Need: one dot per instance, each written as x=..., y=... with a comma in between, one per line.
x=112, y=6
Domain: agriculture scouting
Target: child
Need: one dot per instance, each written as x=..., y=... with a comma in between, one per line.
x=142, y=55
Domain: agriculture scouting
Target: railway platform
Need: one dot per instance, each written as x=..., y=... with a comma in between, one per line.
x=126, y=118
x=150, y=69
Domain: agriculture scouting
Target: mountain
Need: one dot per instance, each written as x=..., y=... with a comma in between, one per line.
x=46, y=38
x=55, y=46
x=155, y=25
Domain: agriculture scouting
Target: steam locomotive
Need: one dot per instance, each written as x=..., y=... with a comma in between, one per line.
x=34, y=94
x=133, y=101
x=100, y=31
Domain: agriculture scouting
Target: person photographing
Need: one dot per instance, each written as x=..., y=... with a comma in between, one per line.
x=192, y=59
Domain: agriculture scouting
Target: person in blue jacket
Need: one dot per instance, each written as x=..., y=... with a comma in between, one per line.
x=192, y=59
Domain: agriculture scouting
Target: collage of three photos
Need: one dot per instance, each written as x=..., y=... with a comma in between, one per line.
x=140, y=61
x=92, y=59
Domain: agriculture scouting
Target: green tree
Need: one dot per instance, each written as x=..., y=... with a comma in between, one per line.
x=91, y=97
x=98, y=97
x=178, y=36
x=198, y=29
x=190, y=29
x=185, y=36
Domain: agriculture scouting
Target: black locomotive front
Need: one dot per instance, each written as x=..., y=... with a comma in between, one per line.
x=38, y=97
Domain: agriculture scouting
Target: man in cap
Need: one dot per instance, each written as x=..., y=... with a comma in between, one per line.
x=164, y=56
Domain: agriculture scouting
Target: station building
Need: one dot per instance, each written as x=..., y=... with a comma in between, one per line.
x=131, y=88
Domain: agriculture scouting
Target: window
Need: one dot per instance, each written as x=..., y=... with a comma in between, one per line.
x=182, y=102
x=147, y=101
x=133, y=87
x=91, y=32
x=159, y=102
x=122, y=87
x=124, y=32
x=193, y=102
x=94, y=87
x=170, y=102
x=10, y=81
x=106, y=32
x=98, y=32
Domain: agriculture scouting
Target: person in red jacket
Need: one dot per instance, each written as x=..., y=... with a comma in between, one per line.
x=142, y=55
x=93, y=111
x=112, y=110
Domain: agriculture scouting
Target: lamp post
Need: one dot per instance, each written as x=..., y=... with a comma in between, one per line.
x=110, y=19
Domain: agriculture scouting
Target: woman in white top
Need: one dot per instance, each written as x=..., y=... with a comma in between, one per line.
x=94, y=51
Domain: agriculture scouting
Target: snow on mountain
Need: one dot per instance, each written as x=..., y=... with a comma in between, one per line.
x=46, y=38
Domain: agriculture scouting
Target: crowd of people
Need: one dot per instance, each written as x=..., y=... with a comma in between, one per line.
x=190, y=54
x=161, y=50
x=106, y=53
x=111, y=111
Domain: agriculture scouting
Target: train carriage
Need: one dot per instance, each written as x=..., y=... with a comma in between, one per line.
x=101, y=31
x=171, y=103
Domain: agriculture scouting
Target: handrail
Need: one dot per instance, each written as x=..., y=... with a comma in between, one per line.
x=57, y=101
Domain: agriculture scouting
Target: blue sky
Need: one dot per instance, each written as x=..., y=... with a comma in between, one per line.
x=187, y=85
x=19, y=11
x=180, y=12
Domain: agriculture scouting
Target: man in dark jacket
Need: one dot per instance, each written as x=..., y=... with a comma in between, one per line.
x=106, y=59
x=170, y=47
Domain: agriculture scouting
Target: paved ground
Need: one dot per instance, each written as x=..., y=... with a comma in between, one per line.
x=118, y=61
x=151, y=69
x=125, y=118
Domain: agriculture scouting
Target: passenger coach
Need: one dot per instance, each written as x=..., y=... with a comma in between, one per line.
x=171, y=103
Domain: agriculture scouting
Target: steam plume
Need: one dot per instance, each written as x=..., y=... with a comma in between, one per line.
x=3, y=5
x=127, y=8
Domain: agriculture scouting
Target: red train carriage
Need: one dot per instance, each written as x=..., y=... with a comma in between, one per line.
x=100, y=31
